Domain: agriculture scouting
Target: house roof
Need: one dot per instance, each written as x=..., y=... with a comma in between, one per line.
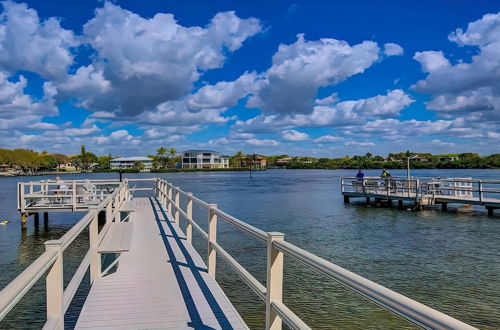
x=131, y=159
x=211, y=151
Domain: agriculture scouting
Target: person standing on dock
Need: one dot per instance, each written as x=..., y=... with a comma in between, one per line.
x=360, y=175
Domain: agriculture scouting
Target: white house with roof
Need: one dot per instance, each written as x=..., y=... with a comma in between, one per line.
x=129, y=162
x=204, y=159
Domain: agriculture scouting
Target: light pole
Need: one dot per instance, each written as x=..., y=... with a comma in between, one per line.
x=408, y=176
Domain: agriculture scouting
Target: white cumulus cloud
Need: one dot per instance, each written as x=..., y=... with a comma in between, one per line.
x=293, y=135
x=144, y=62
x=26, y=43
x=299, y=69
x=392, y=49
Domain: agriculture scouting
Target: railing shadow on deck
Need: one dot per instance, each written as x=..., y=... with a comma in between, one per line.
x=196, y=319
x=276, y=311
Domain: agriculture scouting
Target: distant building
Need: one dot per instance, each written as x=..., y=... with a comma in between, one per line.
x=419, y=159
x=69, y=167
x=448, y=158
x=204, y=159
x=283, y=161
x=129, y=162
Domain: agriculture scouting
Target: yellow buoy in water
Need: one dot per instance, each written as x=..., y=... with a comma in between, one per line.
x=4, y=222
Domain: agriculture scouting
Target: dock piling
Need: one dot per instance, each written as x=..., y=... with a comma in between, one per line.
x=24, y=219
x=36, y=219
x=490, y=211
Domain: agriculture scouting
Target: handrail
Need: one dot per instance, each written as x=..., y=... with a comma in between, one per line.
x=248, y=278
x=405, y=307
x=51, y=261
x=290, y=318
x=17, y=288
x=260, y=234
x=402, y=306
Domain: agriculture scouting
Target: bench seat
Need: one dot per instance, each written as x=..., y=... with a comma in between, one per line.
x=118, y=238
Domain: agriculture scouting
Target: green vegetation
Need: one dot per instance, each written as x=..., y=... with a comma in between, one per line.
x=24, y=161
x=393, y=161
x=29, y=161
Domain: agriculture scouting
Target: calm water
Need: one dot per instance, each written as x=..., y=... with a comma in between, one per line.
x=447, y=260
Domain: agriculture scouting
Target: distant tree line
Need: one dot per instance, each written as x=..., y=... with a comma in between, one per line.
x=30, y=162
x=393, y=161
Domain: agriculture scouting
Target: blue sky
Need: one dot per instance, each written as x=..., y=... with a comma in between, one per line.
x=316, y=78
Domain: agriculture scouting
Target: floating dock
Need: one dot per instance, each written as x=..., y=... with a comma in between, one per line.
x=422, y=192
x=155, y=278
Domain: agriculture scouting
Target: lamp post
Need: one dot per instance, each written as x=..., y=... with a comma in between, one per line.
x=408, y=176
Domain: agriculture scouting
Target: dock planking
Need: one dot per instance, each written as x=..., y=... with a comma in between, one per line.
x=161, y=282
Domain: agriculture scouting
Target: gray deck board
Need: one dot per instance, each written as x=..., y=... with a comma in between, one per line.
x=161, y=283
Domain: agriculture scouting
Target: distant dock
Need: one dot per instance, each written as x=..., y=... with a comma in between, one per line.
x=422, y=192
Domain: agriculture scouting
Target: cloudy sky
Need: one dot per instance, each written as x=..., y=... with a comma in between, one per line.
x=304, y=78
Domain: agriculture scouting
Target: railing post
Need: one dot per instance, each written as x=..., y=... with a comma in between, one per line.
x=364, y=186
x=165, y=194
x=54, y=285
x=274, y=280
x=95, y=261
x=169, y=199
x=177, y=206
x=212, y=238
x=189, y=212
x=73, y=197
x=480, y=190
x=116, y=203
x=109, y=212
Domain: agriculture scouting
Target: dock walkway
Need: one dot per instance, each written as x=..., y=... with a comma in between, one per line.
x=162, y=282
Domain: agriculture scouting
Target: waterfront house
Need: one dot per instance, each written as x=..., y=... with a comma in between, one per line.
x=283, y=161
x=130, y=162
x=419, y=159
x=448, y=158
x=204, y=159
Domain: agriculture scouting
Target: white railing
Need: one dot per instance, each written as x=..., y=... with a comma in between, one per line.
x=51, y=262
x=69, y=194
x=276, y=311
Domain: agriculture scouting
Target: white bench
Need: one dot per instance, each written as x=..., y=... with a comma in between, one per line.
x=118, y=238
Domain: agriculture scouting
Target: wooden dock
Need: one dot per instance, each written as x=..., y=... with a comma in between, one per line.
x=157, y=280
x=161, y=282
x=422, y=192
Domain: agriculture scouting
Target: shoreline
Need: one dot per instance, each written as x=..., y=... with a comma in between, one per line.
x=5, y=175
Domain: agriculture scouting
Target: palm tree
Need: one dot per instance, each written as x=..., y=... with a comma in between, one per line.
x=239, y=154
x=172, y=153
x=161, y=153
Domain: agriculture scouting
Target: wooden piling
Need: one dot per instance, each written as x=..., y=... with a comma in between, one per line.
x=346, y=199
x=36, y=219
x=400, y=203
x=444, y=206
x=490, y=211
x=24, y=219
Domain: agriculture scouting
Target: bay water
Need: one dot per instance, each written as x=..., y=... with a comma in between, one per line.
x=448, y=260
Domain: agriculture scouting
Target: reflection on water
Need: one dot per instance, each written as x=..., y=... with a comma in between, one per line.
x=447, y=260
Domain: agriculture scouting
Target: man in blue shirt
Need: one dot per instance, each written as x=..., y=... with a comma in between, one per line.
x=360, y=175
